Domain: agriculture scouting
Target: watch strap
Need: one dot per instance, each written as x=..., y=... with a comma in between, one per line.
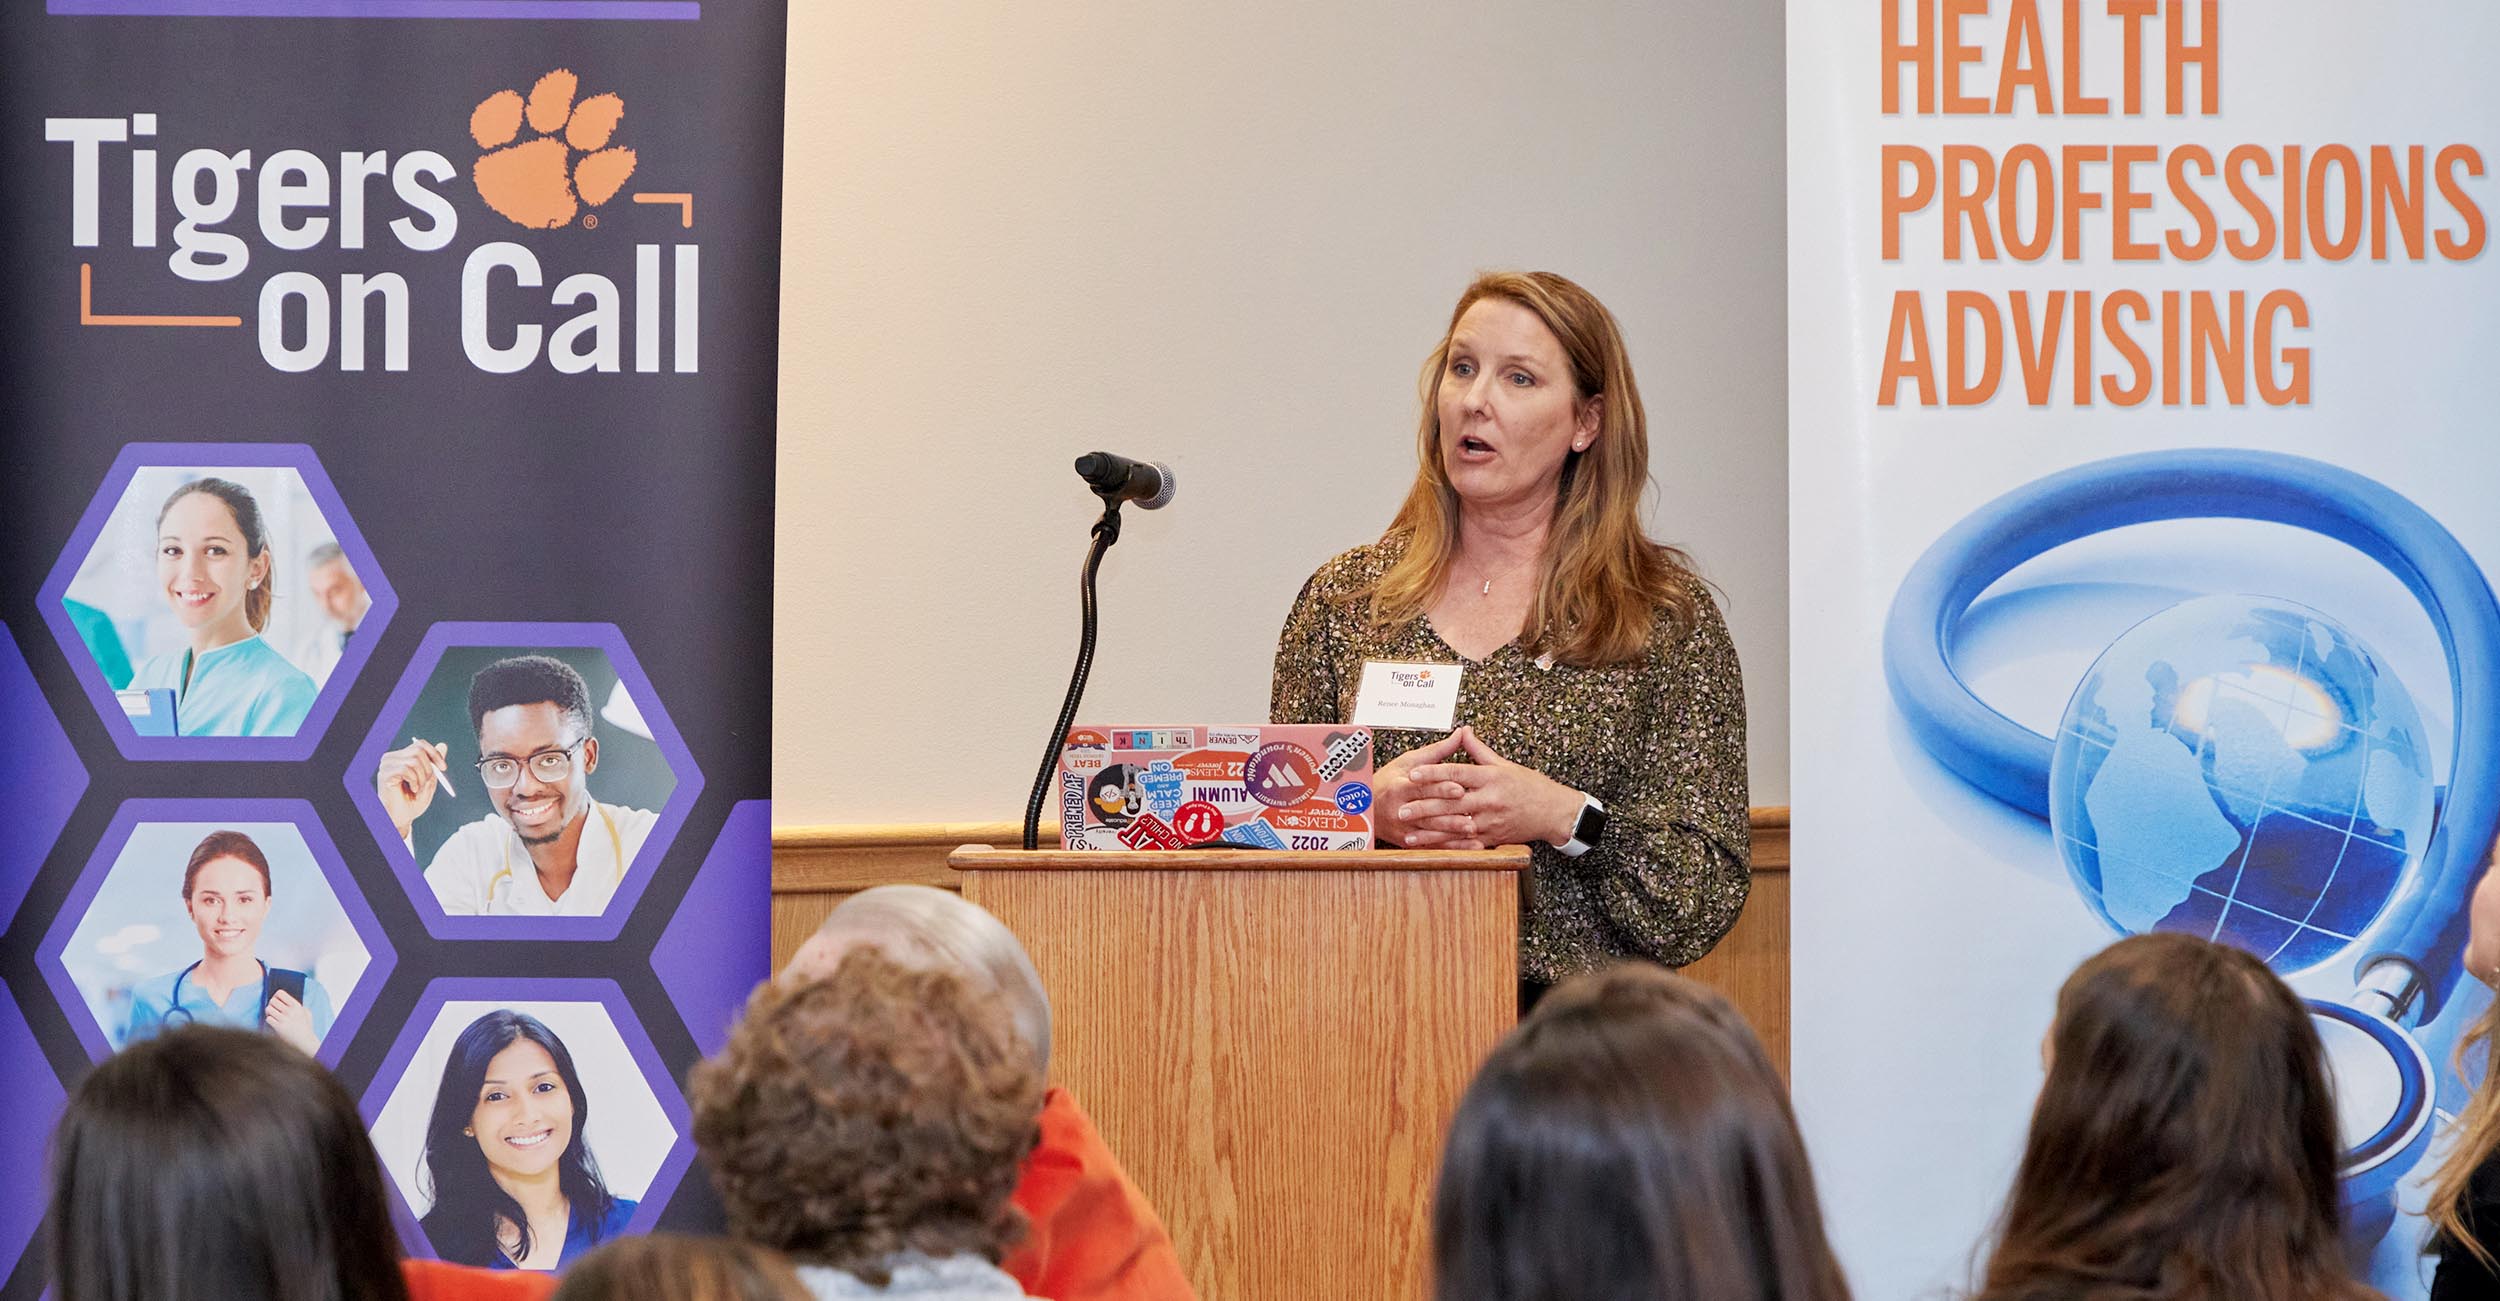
x=1586, y=832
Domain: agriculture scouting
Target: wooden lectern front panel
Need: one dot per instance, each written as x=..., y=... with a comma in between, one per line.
x=1274, y=1055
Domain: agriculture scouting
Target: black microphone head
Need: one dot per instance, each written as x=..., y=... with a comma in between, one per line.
x=1118, y=478
x=1103, y=470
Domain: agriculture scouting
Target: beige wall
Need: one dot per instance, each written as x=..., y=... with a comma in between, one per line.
x=1221, y=236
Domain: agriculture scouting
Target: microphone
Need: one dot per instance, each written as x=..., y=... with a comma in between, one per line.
x=1148, y=483
x=1115, y=479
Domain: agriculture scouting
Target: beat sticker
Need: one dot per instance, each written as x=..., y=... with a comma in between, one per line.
x=1282, y=774
x=1198, y=822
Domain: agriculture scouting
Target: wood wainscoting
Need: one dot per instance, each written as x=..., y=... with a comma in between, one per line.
x=815, y=868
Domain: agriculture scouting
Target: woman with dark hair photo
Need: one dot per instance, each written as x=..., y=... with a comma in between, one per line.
x=508, y=1163
x=226, y=891
x=215, y=569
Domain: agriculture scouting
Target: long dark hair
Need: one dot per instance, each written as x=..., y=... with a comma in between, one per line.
x=2184, y=1146
x=246, y=510
x=467, y=1200
x=213, y=1162
x=1629, y=1139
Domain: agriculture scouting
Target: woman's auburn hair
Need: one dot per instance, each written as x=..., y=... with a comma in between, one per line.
x=2184, y=1145
x=1602, y=579
x=875, y=1110
x=2475, y=1140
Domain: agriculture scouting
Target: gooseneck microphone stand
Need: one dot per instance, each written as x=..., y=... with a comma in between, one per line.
x=1106, y=531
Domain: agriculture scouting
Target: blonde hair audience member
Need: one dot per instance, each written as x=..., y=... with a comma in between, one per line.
x=2464, y=1203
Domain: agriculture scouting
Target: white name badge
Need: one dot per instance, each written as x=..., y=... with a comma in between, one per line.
x=1419, y=697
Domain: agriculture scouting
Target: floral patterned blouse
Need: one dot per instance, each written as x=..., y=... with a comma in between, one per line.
x=1660, y=740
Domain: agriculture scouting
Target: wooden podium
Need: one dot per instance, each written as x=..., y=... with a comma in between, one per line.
x=1272, y=1043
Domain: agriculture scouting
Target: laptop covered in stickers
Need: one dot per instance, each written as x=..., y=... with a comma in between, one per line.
x=1257, y=785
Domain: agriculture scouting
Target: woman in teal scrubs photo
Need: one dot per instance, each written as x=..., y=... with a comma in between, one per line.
x=213, y=566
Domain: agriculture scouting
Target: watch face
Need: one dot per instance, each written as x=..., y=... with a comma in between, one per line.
x=1591, y=825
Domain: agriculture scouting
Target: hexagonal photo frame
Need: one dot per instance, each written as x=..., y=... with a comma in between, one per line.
x=469, y=854
x=706, y=979
x=451, y=1127
x=39, y=769
x=148, y=619
x=128, y=953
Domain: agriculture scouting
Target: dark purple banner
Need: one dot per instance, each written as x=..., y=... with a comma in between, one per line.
x=386, y=659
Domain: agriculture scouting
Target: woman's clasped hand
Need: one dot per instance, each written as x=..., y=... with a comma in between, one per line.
x=1429, y=799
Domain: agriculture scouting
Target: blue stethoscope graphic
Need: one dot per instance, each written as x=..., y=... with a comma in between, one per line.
x=2411, y=956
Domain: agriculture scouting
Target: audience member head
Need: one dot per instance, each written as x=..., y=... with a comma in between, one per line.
x=213, y=1162
x=2475, y=1136
x=922, y=926
x=668, y=1267
x=1629, y=1139
x=877, y=1110
x=2184, y=1144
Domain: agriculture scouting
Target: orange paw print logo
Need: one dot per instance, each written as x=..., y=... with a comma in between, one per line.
x=543, y=180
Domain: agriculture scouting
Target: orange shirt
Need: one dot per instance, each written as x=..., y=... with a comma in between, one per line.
x=433, y=1280
x=1094, y=1238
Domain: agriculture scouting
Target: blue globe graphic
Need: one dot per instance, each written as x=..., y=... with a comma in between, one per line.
x=2246, y=769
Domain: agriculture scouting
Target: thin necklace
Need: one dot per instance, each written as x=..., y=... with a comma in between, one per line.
x=1487, y=588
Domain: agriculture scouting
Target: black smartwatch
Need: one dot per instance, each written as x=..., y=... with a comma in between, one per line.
x=1586, y=832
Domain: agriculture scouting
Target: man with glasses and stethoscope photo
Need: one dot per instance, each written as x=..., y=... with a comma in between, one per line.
x=549, y=849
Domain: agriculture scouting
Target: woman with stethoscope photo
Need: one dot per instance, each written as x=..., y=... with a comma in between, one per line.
x=226, y=891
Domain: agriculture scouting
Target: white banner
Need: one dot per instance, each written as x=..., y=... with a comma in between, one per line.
x=2141, y=451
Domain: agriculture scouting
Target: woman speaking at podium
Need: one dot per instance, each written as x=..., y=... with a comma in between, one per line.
x=1599, y=715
